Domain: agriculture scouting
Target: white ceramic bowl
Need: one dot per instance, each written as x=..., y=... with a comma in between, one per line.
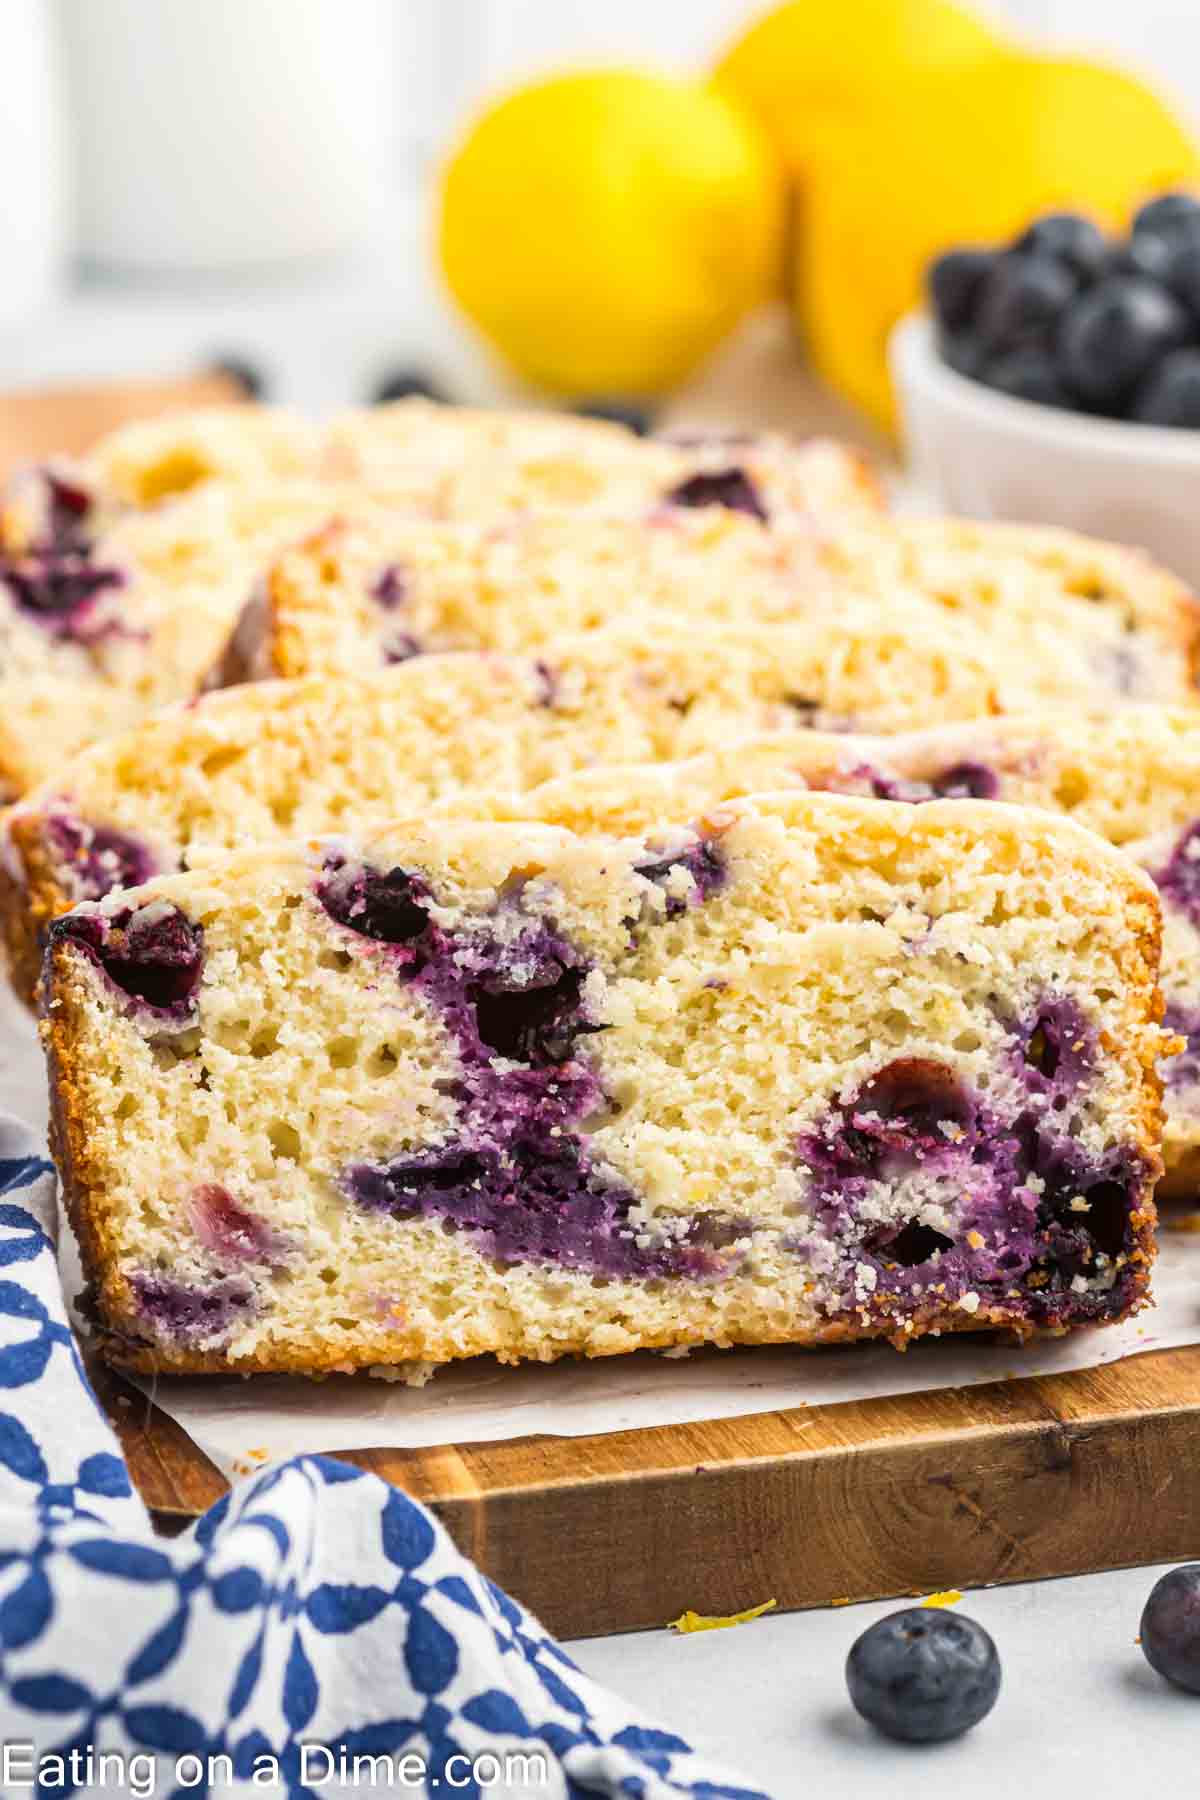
x=985, y=455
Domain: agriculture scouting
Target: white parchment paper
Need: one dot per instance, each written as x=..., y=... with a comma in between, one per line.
x=241, y=1422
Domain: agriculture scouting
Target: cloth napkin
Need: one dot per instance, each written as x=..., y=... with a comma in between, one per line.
x=314, y=1616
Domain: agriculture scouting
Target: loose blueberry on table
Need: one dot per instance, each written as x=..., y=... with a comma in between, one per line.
x=1065, y=317
x=1170, y=1633
x=922, y=1675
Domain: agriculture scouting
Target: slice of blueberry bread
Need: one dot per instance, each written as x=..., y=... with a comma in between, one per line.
x=1137, y=626
x=98, y=630
x=441, y=461
x=270, y=759
x=459, y=463
x=817, y=1068
x=376, y=587
x=1132, y=774
x=373, y=587
x=139, y=466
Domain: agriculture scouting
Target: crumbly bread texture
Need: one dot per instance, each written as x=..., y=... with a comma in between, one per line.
x=1132, y=775
x=272, y=759
x=1061, y=613
x=819, y=1068
x=1138, y=624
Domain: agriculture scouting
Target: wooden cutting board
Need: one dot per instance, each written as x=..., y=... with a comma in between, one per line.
x=1056, y=1475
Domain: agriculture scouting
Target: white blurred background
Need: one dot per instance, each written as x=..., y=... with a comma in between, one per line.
x=191, y=179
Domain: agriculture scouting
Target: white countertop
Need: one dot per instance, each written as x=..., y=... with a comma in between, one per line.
x=1080, y=1710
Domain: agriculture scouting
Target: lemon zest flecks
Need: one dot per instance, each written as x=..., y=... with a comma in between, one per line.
x=949, y=1597
x=694, y=1621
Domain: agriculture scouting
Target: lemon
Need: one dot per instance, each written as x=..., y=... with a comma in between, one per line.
x=808, y=66
x=953, y=159
x=605, y=230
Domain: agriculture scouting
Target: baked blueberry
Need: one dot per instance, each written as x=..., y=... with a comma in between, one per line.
x=189, y=1310
x=99, y=857
x=60, y=588
x=1170, y=1630
x=1022, y=300
x=731, y=488
x=155, y=955
x=1075, y=240
x=923, y=1675
x=1171, y=395
x=388, y=907
x=1113, y=336
x=955, y=280
x=965, y=781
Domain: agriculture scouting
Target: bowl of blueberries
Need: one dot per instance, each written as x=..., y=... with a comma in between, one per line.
x=1056, y=378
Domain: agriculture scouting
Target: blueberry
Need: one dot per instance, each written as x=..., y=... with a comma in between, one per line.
x=731, y=488
x=1170, y=1630
x=388, y=907
x=1028, y=374
x=637, y=419
x=1181, y=273
x=155, y=955
x=955, y=280
x=1076, y=241
x=406, y=384
x=1022, y=300
x=534, y=1024
x=1171, y=395
x=1147, y=254
x=966, y=781
x=243, y=373
x=962, y=352
x=923, y=1675
x=1167, y=216
x=1113, y=336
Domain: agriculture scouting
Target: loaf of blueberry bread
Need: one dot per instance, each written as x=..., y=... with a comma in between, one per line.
x=816, y=1068
x=272, y=759
x=1067, y=617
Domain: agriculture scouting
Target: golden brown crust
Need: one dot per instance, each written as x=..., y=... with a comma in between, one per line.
x=82, y=1186
x=121, y=1348
x=31, y=894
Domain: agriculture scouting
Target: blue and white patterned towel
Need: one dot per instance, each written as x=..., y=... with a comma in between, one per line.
x=315, y=1616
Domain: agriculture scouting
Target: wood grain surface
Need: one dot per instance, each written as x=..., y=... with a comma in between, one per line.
x=952, y=1488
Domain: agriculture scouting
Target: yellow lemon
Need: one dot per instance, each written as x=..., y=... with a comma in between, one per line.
x=952, y=159
x=605, y=230
x=808, y=66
